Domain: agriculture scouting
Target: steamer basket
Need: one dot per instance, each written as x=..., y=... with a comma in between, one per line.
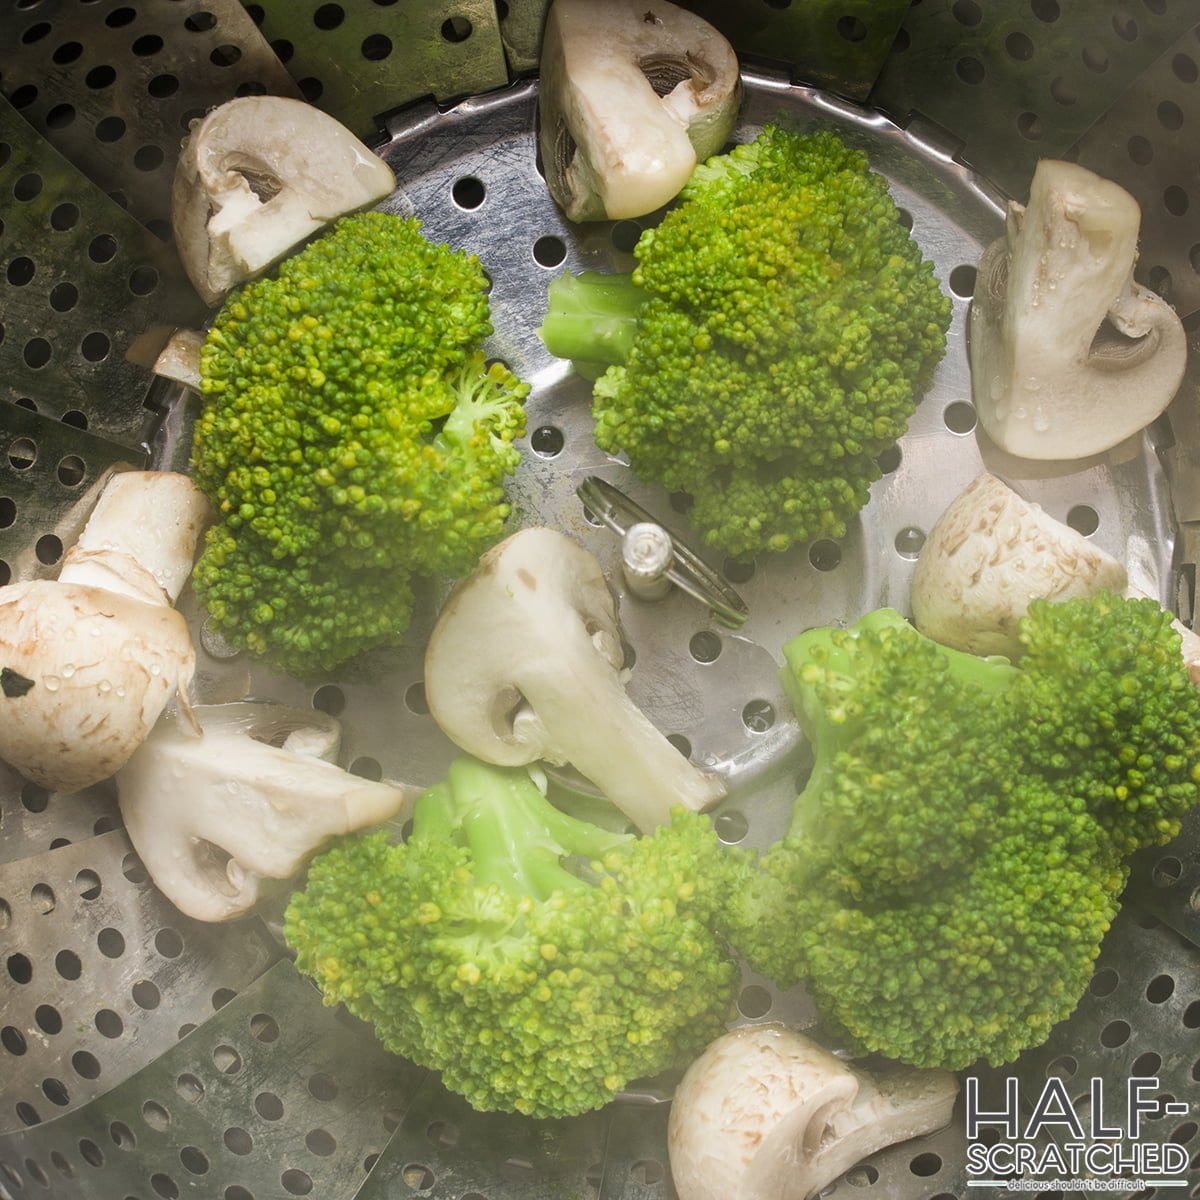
x=145, y=1055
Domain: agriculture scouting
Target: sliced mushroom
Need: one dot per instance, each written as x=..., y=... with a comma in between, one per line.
x=766, y=1113
x=257, y=176
x=88, y=661
x=1069, y=356
x=631, y=96
x=524, y=666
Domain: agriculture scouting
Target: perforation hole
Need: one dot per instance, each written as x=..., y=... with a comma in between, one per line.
x=457, y=29
x=145, y=994
x=68, y=964
x=111, y=942
x=13, y=1040
x=71, y=471
x=376, y=47
x=296, y=1182
x=237, y=1140
x=85, y=1064
x=109, y=1023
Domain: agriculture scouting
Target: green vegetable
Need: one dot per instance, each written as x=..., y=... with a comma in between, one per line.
x=352, y=438
x=772, y=341
x=961, y=845
x=538, y=961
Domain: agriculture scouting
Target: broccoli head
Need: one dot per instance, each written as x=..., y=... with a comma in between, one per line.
x=353, y=436
x=960, y=847
x=538, y=961
x=771, y=343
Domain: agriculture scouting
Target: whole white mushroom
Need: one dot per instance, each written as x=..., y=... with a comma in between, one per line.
x=89, y=661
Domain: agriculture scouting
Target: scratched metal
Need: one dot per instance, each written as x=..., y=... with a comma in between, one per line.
x=359, y=61
x=88, y=296
x=1012, y=81
x=189, y=1117
x=114, y=87
x=272, y=1096
x=100, y=975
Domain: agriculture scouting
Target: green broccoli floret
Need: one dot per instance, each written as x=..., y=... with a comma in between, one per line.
x=771, y=343
x=960, y=847
x=538, y=961
x=353, y=436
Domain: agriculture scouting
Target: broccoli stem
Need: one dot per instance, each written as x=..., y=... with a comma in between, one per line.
x=516, y=837
x=592, y=317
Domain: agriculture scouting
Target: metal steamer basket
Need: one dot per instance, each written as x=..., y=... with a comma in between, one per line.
x=145, y=1055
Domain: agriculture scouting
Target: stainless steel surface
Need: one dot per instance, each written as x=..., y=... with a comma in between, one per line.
x=236, y=1083
x=89, y=295
x=117, y=99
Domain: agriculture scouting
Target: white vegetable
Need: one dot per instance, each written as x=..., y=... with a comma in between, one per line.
x=179, y=359
x=257, y=176
x=89, y=661
x=631, y=96
x=245, y=793
x=990, y=553
x=524, y=665
x=765, y=1113
x=1069, y=356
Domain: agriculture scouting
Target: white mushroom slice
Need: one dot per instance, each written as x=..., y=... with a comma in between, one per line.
x=766, y=1113
x=244, y=793
x=990, y=553
x=524, y=664
x=631, y=96
x=179, y=359
x=1069, y=356
x=89, y=661
x=258, y=175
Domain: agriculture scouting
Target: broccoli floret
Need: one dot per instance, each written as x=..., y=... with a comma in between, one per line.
x=960, y=847
x=771, y=343
x=353, y=435
x=538, y=961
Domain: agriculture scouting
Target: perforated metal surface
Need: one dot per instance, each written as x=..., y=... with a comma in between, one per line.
x=236, y=1083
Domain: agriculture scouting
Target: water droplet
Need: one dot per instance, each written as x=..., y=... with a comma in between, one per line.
x=51, y=683
x=68, y=670
x=155, y=669
x=104, y=687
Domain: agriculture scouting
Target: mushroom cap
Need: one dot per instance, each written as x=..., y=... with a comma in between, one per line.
x=631, y=96
x=257, y=176
x=749, y=1109
x=987, y=556
x=766, y=1113
x=84, y=675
